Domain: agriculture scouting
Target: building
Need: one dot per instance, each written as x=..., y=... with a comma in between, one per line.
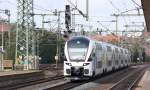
x=5, y=27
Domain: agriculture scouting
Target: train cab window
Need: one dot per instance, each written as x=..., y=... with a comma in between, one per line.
x=77, y=48
x=78, y=43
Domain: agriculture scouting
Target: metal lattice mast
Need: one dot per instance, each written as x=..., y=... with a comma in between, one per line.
x=25, y=39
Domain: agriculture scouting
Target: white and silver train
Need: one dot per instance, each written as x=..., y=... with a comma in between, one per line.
x=87, y=58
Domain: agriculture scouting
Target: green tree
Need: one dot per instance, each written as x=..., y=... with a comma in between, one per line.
x=48, y=46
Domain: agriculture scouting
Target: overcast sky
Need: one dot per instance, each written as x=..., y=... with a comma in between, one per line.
x=99, y=10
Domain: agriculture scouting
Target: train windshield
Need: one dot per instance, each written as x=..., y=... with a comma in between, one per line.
x=77, y=48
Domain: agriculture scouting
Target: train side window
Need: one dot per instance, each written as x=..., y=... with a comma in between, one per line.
x=116, y=50
x=119, y=56
x=109, y=63
x=93, y=55
x=121, y=50
x=109, y=49
x=125, y=61
x=116, y=62
x=99, y=64
x=121, y=61
x=98, y=46
x=126, y=52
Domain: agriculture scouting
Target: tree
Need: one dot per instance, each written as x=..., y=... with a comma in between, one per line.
x=47, y=46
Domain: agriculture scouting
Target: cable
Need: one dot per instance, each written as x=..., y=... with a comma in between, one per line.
x=117, y=9
x=77, y=8
x=41, y=8
x=124, y=4
x=130, y=10
x=107, y=29
x=135, y=3
x=113, y=5
x=36, y=6
x=10, y=2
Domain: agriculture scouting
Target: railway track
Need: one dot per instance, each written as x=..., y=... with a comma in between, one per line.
x=128, y=82
x=70, y=85
x=125, y=80
x=66, y=86
x=31, y=83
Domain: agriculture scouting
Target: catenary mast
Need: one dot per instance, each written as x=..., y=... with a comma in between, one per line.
x=25, y=48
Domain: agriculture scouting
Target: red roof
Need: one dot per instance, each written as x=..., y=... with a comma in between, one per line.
x=5, y=27
x=108, y=38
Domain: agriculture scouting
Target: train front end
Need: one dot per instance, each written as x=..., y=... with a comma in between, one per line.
x=77, y=53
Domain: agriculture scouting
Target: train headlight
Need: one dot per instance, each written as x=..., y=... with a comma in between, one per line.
x=85, y=64
x=69, y=64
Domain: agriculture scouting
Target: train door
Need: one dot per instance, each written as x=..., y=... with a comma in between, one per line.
x=94, y=59
x=94, y=62
x=98, y=61
x=113, y=59
x=104, y=62
x=116, y=58
x=109, y=58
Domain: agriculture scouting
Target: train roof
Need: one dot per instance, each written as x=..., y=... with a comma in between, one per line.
x=93, y=40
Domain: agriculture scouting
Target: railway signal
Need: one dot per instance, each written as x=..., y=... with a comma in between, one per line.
x=67, y=17
x=67, y=33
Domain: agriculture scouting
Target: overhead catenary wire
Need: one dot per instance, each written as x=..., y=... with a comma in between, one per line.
x=130, y=10
x=9, y=2
x=136, y=3
x=124, y=4
x=138, y=8
x=113, y=5
x=75, y=6
x=41, y=8
x=37, y=7
x=107, y=29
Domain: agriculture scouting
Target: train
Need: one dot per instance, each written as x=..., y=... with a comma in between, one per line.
x=86, y=58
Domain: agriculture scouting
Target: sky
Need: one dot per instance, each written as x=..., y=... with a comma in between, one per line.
x=99, y=10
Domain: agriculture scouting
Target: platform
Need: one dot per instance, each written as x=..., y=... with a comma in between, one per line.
x=10, y=78
x=144, y=83
x=9, y=73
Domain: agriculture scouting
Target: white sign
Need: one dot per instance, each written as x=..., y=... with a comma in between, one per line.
x=56, y=57
x=1, y=49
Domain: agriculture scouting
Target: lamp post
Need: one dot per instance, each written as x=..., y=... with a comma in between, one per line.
x=57, y=57
x=2, y=48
